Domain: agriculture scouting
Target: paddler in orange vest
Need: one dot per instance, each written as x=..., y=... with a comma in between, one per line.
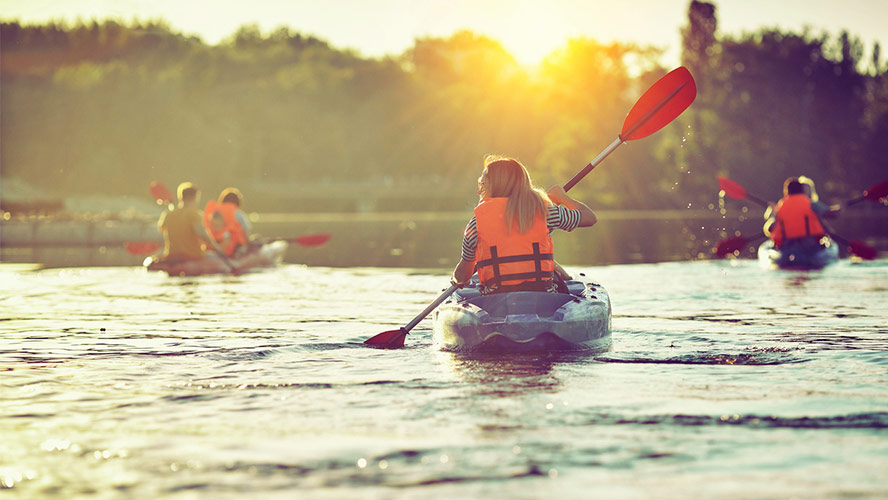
x=184, y=234
x=233, y=235
x=507, y=240
x=794, y=219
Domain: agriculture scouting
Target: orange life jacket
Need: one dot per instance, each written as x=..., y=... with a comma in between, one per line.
x=228, y=210
x=511, y=258
x=795, y=219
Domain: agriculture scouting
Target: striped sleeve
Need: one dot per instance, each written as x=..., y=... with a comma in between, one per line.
x=470, y=240
x=561, y=217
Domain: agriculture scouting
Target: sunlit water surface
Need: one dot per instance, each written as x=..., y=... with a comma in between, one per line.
x=724, y=381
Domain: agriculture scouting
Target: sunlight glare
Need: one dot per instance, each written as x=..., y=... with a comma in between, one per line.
x=530, y=32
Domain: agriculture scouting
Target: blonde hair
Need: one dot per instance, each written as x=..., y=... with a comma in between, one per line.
x=508, y=178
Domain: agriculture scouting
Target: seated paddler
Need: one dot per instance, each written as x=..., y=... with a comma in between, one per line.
x=184, y=234
x=794, y=220
x=508, y=241
x=233, y=235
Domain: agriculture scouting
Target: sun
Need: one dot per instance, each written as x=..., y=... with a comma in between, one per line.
x=529, y=53
x=529, y=31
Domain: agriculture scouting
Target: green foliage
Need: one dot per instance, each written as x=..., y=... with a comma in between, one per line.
x=297, y=124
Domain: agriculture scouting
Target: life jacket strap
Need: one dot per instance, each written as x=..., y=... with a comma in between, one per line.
x=536, y=257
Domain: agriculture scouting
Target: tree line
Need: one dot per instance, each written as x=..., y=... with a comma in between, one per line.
x=106, y=107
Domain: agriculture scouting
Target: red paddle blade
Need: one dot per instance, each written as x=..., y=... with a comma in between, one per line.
x=730, y=245
x=160, y=193
x=662, y=103
x=862, y=250
x=311, y=240
x=877, y=192
x=731, y=188
x=142, y=247
x=392, y=339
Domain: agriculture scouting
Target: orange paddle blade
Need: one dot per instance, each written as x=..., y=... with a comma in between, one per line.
x=877, y=192
x=142, y=247
x=311, y=240
x=862, y=250
x=730, y=245
x=392, y=339
x=160, y=193
x=731, y=188
x=660, y=104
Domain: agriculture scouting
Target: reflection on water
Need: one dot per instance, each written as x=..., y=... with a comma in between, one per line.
x=724, y=381
x=504, y=374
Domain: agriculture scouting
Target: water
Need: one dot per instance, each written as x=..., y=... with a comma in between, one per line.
x=413, y=239
x=724, y=381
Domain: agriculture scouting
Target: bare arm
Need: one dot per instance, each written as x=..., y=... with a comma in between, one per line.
x=204, y=234
x=464, y=271
x=560, y=197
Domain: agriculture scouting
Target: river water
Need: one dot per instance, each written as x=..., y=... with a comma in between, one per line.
x=724, y=381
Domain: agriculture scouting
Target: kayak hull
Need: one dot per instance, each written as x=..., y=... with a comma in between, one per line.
x=268, y=255
x=808, y=255
x=525, y=321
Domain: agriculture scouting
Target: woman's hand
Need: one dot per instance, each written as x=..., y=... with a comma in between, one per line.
x=558, y=195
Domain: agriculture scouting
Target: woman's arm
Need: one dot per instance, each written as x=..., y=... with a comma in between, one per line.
x=560, y=197
x=464, y=271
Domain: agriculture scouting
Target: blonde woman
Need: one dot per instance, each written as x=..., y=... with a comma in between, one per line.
x=507, y=240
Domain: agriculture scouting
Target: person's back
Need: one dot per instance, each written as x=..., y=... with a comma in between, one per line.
x=180, y=227
x=507, y=240
x=508, y=257
x=795, y=220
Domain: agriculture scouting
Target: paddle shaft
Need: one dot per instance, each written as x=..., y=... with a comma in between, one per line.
x=594, y=163
x=757, y=200
x=226, y=260
x=625, y=136
x=431, y=307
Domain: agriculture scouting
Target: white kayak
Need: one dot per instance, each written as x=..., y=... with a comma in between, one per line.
x=268, y=255
x=802, y=255
x=524, y=321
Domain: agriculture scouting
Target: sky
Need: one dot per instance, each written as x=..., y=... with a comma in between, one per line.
x=529, y=29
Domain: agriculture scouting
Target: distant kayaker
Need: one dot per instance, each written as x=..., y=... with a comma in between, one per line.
x=508, y=239
x=795, y=219
x=237, y=224
x=184, y=235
